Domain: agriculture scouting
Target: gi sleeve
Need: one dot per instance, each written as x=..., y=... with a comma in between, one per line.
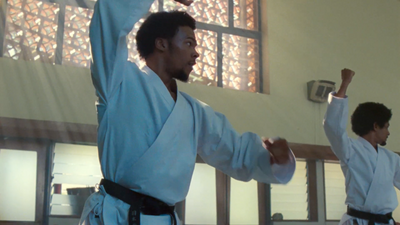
x=111, y=22
x=242, y=157
x=335, y=123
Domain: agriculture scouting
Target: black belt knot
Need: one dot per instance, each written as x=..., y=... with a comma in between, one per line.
x=372, y=218
x=139, y=203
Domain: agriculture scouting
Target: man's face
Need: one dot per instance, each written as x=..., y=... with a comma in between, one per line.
x=182, y=54
x=382, y=134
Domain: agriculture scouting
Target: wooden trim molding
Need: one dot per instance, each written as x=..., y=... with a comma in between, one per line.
x=264, y=204
x=87, y=133
x=223, y=183
x=312, y=190
x=308, y=151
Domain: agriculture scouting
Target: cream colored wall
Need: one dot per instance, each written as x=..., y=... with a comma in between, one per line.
x=40, y=91
x=310, y=40
x=304, y=40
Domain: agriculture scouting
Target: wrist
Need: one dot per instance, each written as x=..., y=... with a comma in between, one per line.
x=345, y=85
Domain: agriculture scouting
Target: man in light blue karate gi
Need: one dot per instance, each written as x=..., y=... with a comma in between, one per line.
x=149, y=132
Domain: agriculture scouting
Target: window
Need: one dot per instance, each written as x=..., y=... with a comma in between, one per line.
x=18, y=171
x=396, y=212
x=240, y=64
x=23, y=164
x=200, y=204
x=76, y=171
x=335, y=194
x=228, y=43
x=244, y=202
x=76, y=43
x=229, y=37
x=290, y=201
x=31, y=30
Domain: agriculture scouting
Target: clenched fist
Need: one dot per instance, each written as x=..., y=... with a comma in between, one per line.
x=347, y=75
x=279, y=150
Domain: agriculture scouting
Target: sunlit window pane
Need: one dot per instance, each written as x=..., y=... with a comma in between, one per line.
x=244, y=203
x=75, y=173
x=18, y=171
x=396, y=212
x=335, y=191
x=76, y=48
x=240, y=63
x=201, y=199
x=205, y=71
x=245, y=14
x=291, y=200
x=206, y=11
x=30, y=32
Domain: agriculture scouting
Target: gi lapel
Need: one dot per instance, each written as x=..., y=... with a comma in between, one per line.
x=374, y=188
x=170, y=159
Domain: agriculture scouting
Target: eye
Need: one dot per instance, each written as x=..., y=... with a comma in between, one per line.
x=189, y=43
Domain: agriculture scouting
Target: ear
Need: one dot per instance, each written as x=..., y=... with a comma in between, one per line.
x=161, y=44
x=376, y=126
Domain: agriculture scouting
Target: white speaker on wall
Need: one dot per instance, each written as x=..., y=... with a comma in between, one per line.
x=318, y=90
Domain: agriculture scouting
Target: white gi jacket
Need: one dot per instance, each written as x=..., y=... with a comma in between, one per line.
x=370, y=175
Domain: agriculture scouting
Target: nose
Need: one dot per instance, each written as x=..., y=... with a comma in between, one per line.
x=196, y=54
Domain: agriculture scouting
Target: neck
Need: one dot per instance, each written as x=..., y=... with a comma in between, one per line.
x=371, y=139
x=158, y=65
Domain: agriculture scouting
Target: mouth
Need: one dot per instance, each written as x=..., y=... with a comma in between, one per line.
x=192, y=63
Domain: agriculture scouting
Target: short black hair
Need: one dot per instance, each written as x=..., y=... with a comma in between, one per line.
x=161, y=25
x=367, y=114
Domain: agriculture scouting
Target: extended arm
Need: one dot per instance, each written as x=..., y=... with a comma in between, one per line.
x=243, y=157
x=335, y=121
x=111, y=22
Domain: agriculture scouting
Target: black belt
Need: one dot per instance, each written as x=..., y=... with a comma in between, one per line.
x=138, y=202
x=372, y=218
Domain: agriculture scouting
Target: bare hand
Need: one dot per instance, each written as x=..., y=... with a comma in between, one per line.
x=279, y=150
x=185, y=2
x=347, y=75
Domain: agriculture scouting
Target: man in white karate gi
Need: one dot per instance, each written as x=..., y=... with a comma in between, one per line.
x=149, y=132
x=371, y=171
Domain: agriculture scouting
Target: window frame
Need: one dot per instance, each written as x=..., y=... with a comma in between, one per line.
x=311, y=189
x=324, y=186
x=42, y=148
x=255, y=34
